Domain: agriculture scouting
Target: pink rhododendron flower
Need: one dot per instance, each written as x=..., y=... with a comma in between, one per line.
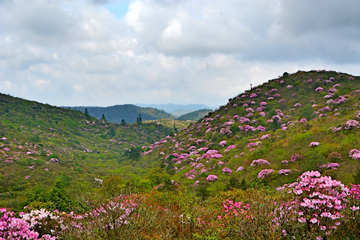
x=222, y=143
x=259, y=162
x=211, y=178
x=227, y=170
x=314, y=144
x=263, y=173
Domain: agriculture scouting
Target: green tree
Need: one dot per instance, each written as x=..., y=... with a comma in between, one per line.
x=233, y=183
x=157, y=175
x=134, y=153
x=244, y=184
x=123, y=123
x=139, y=120
x=86, y=113
x=103, y=117
x=202, y=191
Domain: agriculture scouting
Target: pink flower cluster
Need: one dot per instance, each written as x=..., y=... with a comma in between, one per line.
x=211, y=178
x=295, y=157
x=259, y=162
x=240, y=169
x=314, y=144
x=355, y=154
x=351, y=124
x=333, y=166
x=229, y=148
x=284, y=171
x=227, y=170
x=15, y=228
x=318, y=202
x=253, y=95
x=319, y=89
x=222, y=143
x=263, y=137
x=263, y=173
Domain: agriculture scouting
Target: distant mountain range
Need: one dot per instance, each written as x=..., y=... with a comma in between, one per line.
x=128, y=112
x=176, y=109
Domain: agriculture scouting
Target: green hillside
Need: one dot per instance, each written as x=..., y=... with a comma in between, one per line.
x=40, y=143
x=279, y=161
x=127, y=112
x=196, y=115
x=276, y=122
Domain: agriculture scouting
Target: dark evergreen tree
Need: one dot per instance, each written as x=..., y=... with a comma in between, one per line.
x=86, y=113
x=103, y=117
x=123, y=122
x=243, y=185
x=233, y=183
x=139, y=120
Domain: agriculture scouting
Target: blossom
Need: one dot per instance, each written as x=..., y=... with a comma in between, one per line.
x=211, y=178
x=352, y=124
x=259, y=162
x=263, y=173
x=240, y=169
x=355, y=154
x=319, y=89
x=314, y=144
x=227, y=170
x=263, y=137
x=222, y=143
x=253, y=95
x=284, y=171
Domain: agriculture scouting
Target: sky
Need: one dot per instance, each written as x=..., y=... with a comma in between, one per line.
x=108, y=52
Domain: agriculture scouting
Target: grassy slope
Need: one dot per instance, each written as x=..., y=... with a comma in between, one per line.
x=86, y=149
x=282, y=143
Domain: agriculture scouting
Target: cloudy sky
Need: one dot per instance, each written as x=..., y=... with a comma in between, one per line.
x=103, y=53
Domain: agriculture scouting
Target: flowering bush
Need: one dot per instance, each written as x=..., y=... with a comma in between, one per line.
x=351, y=124
x=284, y=171
x=222, y=143
x=259, y=162
x=319, y=203
x=261, y=128
x=319, y=89
x=314, y=144
x=355, y=154
x=263, y=137
x=15, y=228
x=227, y=170
x=211, y=178
x=330, y=166
x=263, y=173
x=240, y=169
x=253, y=95
x=295, y=157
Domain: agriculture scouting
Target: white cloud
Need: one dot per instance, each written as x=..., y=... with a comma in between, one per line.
x=78, y=53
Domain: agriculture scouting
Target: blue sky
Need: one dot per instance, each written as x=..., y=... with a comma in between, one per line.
x=118, y=8
x=108, y=52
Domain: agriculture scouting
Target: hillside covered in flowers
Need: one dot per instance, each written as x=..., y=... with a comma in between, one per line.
x=279, y=161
